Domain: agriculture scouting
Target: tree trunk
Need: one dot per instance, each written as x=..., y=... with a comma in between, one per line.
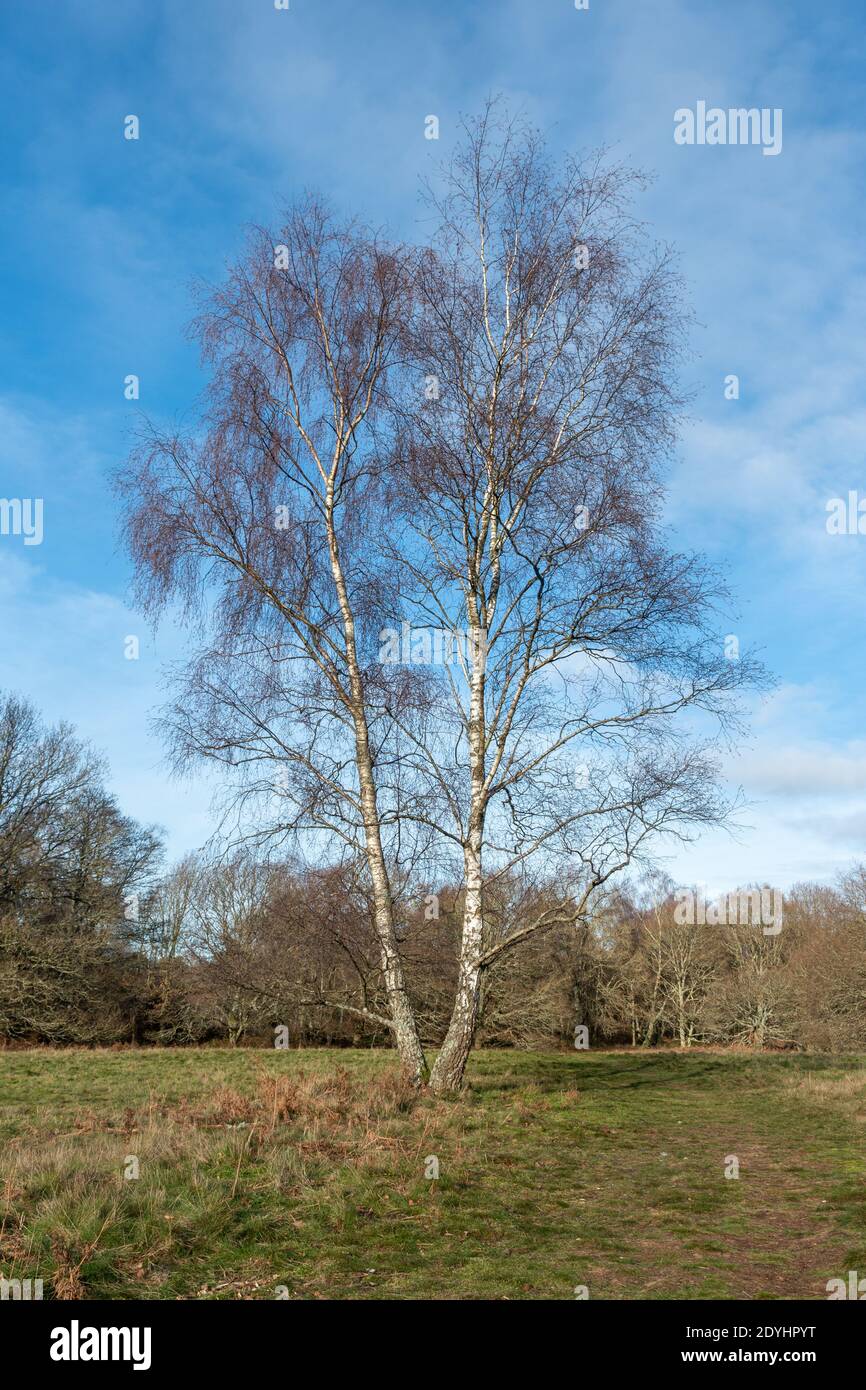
x=403, y=1024
x=450, y=1065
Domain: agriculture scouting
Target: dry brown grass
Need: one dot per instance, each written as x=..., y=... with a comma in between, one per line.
x=846, y=1093
x=299, y=1134
x=328, y=1102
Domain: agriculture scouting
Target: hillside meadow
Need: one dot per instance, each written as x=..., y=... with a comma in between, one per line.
x=310, y=1174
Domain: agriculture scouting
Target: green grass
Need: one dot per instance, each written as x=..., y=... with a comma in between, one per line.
x=306, y=1170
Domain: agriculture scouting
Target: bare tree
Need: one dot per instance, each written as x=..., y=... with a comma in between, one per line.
x=265, y=528
x=70, y=866
x=530, y=481
x=467, y=438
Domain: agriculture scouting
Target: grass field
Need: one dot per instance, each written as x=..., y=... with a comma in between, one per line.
x=302, y=1174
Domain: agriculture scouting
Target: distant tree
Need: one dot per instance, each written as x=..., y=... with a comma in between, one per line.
x=71, y=870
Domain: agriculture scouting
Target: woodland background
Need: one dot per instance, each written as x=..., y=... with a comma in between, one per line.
x=99, y=944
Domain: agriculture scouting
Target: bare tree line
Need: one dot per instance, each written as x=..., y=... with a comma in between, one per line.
x=99, y=945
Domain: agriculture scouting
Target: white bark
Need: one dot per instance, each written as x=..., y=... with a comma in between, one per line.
x=450, y=1065
x=403, y=1024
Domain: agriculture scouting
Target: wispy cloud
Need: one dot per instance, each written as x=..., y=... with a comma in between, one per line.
x=241, y=107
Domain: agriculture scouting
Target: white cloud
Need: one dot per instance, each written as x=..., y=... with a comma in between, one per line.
x=63, y=649
x=797, y=770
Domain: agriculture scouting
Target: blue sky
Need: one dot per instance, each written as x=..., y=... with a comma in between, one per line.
x=242, y=106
